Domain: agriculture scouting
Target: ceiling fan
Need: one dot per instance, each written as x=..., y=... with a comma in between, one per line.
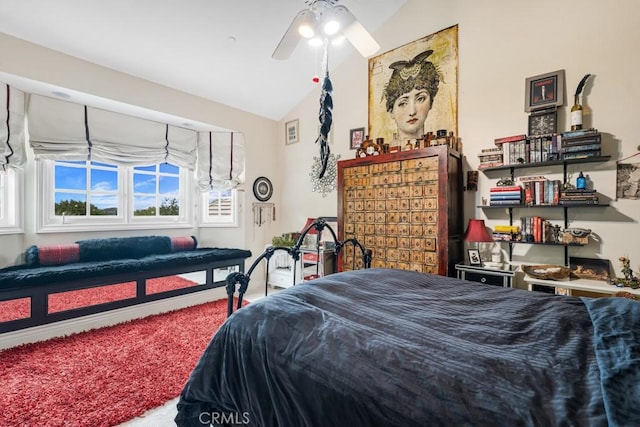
x=325, y=20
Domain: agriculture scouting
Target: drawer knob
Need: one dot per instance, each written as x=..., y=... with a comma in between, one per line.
x=483, y=280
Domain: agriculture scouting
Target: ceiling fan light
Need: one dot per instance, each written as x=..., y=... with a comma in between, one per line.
x=331, y=27
x=315, y=42
x=306, y=31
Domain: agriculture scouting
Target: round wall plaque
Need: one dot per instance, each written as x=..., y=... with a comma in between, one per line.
x=262, y=189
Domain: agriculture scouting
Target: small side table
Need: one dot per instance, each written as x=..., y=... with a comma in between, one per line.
x=497, y=276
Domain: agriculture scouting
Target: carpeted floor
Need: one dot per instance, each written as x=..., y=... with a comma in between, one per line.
x=105, y=376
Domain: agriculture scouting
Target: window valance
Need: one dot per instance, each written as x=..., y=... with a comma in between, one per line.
x=220, y=160
x=66, y=130
x=12, y=139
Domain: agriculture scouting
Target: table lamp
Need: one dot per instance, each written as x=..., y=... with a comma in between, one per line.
x=477, y=233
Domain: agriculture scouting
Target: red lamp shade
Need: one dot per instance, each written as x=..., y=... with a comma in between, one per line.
x=309, y=222
x=477, y=232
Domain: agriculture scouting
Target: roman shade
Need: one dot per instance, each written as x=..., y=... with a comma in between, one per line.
x=12, y=139
x=62, y=130
x=220, y=160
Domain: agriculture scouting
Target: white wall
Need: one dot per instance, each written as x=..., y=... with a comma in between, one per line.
x=34, y=62
x=501, y=43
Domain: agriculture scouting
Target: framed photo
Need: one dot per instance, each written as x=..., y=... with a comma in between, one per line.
x=425, y=70
x=291, y=132
x=590, y=268
x=544, y=91
x=474, y=257
x=356, y=136
x=543, y=122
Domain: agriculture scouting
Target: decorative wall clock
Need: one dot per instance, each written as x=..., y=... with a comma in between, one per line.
x=262, y=189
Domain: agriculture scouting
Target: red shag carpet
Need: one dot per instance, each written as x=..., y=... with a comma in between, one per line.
x=105, y=376
x=62, y=301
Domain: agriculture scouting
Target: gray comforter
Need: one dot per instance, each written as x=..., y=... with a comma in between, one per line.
x=394, y=348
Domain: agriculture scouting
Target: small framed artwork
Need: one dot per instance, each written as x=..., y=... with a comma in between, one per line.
x=543, y=122
x=356, y=136
x=544, y=91
x=474, y=257
x=291, y=132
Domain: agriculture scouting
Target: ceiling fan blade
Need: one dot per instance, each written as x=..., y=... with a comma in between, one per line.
x=357, y=35
x=292, y=37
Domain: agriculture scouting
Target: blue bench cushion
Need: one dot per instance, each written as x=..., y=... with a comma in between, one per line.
x=23, y=275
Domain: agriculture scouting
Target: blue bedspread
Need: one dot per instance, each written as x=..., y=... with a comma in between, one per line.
x=616, y=328
x=385, y=347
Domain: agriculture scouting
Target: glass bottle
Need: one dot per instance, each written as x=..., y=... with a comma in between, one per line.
x=576, y=114
x=581, y=182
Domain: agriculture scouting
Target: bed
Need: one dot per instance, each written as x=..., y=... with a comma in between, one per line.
x=382, y=347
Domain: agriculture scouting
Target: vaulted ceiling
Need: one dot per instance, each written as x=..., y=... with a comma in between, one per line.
x=219, y=50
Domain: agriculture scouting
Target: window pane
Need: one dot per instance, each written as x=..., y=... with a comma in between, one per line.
x=106, y=204
x=151, y=168
x=143, y=183
x=169, y=207
x=70, y=204
x=169, y=185
x=69, y=178
x=144, y=206
x=102, y=180
x=169, y=168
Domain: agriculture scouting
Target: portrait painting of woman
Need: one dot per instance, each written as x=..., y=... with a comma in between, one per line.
x=413, y=88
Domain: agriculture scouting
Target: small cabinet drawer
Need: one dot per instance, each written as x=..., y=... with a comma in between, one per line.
x=487, y=279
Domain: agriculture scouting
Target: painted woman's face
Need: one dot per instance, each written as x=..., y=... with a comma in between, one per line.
x=410, y=112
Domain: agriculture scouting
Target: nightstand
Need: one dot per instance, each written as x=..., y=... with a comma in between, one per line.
x=497, y=276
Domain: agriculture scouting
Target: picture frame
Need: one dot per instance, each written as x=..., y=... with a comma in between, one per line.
x=356, y=137
x=543, y=122
x=590, y=268
x=544, y=91
x=474, y=257
x=292, y=132
x=440, y=50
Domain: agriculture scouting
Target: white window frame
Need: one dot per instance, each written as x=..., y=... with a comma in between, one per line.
x=11, y=201
x=48, y=222
x=207, y=220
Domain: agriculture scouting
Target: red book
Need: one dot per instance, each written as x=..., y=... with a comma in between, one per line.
x=505, y=188
x=514, y=138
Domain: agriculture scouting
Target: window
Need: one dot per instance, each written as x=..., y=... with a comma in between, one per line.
x=11, y=201
x=80, y=195
x=219, y=208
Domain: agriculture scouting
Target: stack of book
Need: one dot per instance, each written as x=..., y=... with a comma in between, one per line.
x=490, y=157
x=581, y=144
x=506, y=233
x=578, y=197
x=536, y=229
x=513, y=148
x=508, y=195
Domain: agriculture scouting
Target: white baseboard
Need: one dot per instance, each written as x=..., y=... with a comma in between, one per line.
x=108, y=318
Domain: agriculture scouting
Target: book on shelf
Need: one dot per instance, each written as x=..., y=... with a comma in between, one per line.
x=512, y=138
x=567, y=202
x=486, y=165
x=578, y=191
x=505, y=202
x=503, y=237
x=490, y=157
x=506, y=229
x=592, y=139
x=581, y=155
x=529, y=178
x=492, y=150
x=505, y=188
x=578, y=133
x=503, y=196
x=581, y=147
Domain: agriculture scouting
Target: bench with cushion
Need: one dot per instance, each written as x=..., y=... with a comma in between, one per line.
x=92, y=263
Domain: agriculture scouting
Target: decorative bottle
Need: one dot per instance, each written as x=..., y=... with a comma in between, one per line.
x=581, y=182
x=576, y=114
